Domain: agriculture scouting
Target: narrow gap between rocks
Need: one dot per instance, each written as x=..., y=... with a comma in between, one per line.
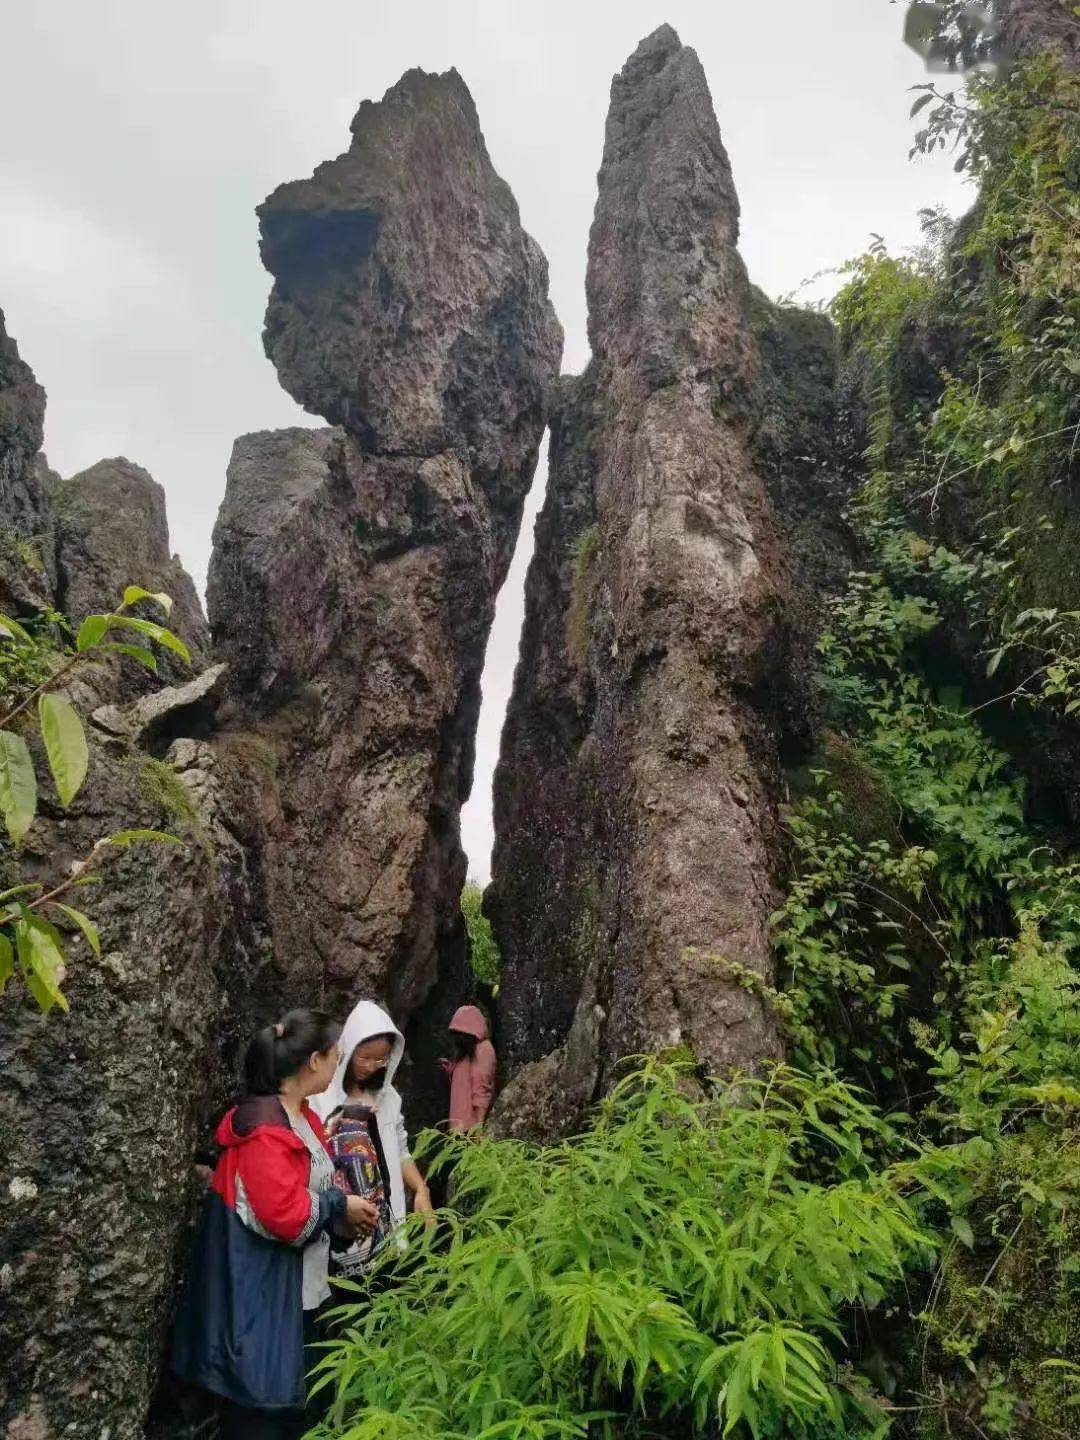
x=477, y=831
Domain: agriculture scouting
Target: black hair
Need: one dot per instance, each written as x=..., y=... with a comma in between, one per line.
x=279, y=1051
x=387, y=1035
x=464, y=1045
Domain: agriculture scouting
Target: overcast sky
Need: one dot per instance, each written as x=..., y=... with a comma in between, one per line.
x=139, y=137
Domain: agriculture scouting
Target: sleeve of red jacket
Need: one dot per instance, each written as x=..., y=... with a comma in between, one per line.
x=272, y=1193
x=483, y=1080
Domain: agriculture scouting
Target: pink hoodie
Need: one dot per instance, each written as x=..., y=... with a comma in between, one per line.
x=472, y=1081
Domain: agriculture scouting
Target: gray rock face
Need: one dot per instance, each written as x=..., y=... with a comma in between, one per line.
x=355, y=569
x=352, y=595
x=409, y=305
x=22, y=422
x=100, y=1113
x=100, y=1109
x=636, y=833
x=112, y=531
x=1032, y=26
x=25, y=538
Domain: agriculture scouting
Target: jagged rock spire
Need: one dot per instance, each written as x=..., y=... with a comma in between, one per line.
x=636, y=830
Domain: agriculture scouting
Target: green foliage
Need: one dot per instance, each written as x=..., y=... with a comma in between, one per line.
x=996, y=461
x=687, y=1256
x=484, y=954
x=34, y=664
x=584, y=554
x=929, y=946
x=161, y=787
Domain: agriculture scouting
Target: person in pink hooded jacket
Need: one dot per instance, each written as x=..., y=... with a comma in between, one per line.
x=472, y=1070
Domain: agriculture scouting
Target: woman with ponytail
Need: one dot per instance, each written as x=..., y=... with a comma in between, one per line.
x=259, y=1268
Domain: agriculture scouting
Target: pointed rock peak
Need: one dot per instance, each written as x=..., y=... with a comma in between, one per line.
x=661, y=62
x=409, y=305
x=112, y=530
x=424, y=88
x=664, y=159
x=662, y=43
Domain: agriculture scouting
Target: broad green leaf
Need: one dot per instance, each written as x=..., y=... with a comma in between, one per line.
x=962, y=1230
x=90, y=632
x=124, y=838
x=156, y=632
x=41, y=955
x=7, y=962
x=18, y=785
x=65, y=745
x=134, y=593
x=136, y=652
x=14, y=630
x=85, y=924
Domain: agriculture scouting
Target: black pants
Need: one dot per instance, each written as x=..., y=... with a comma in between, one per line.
x=240, y=1423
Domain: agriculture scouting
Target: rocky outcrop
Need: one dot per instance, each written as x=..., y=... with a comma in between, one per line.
x=355, y=569
x=25, y=528
x=100, y=1109
x=408, y=304
x=636, y=832
x=1033, y=26
x=112, y=531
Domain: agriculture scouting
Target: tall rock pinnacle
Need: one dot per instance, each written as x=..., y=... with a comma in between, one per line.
x=635, y=815
x=355, y=569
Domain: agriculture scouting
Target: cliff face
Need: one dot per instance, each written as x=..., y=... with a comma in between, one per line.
x=354, y=575
x=100, y=1109
x=635, y=797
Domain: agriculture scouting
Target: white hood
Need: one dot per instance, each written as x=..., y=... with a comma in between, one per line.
x=365, y=1022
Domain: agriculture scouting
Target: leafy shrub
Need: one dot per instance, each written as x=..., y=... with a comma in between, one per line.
x=33, y=666
x=687, y=1256
x=484, y=954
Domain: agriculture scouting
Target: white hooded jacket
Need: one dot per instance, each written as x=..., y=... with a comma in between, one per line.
x=365, y=1022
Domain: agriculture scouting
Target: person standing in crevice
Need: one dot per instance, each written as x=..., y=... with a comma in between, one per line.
x=259, y=1270
x=362, y=1111
x=471, y=1071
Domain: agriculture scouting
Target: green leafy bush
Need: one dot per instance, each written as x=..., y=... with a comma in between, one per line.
x=484, y=954
x=34, y=665
x=690, y=1255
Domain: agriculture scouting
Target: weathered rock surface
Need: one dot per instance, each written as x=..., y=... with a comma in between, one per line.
x=355, y=569
x=25, y=538
x=409, y=305
x=111, y=531
x=100, y=1109
x=1032, y=26
x=636, y=833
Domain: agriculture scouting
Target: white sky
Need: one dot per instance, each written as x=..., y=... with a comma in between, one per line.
x=139, y=138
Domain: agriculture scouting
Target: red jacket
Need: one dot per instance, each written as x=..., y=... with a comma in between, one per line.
x=262, y=1173
x=240, y=1325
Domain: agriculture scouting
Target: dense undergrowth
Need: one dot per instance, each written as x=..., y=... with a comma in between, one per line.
x=884, y=1234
